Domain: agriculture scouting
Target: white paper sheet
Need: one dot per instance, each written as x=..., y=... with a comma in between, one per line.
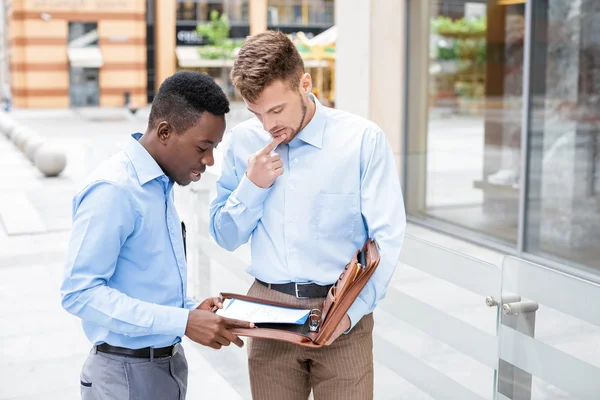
x=261, y=313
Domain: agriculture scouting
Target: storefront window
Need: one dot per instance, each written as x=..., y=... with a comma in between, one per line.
x=83, y=34
x=465, y=113
x=300, y=12
x=194, y=11
x=83, y=56
x=563, y=199
x=469, y=98
x=238, y=11
x=187, y=10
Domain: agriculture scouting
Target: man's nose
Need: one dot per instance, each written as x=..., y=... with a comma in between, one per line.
x=269, y=123
x=208, y=159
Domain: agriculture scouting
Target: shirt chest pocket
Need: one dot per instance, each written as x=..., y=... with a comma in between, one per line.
x=335, y=214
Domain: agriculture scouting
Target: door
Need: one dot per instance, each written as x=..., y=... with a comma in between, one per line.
x=84, y=87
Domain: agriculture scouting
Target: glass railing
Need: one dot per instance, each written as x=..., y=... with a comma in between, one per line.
x=549, y=337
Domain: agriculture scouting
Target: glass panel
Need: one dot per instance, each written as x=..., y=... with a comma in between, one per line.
x=186, y=11
x=549, y=334
x=83, y=34
x=321, y=12
x=464, y=150
x=83, y=87
x=564, y=179
x=278, y=12
x=206, y=8
x=300, y=12
x=237, y=11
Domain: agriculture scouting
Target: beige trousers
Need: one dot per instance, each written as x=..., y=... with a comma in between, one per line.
x=285, y=371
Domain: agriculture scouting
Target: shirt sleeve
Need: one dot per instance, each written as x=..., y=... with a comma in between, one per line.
x=235, y=212
x=103, y=219
x=382, y=208
x=191, y=304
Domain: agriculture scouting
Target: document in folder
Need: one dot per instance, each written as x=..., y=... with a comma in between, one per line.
x=262, y=313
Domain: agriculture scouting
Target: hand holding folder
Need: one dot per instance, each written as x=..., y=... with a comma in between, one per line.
x=337, y=303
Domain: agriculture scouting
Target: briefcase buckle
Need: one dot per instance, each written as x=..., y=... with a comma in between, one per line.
x=314, y=320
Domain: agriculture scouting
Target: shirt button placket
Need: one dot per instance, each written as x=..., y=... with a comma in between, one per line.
x=291, y=219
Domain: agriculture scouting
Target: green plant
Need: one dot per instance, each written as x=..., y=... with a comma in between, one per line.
x=466, y=38
x=226, y=50
x=447, y=52
x=481, y=54
x=216, y=32
x=464, y=27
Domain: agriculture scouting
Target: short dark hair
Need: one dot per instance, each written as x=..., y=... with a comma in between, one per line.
x=183, y=97
x=263, y=59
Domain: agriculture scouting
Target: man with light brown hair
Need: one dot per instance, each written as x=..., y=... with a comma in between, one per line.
x=309, y=184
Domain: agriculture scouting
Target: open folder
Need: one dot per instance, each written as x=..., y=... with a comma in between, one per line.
x=282, y=322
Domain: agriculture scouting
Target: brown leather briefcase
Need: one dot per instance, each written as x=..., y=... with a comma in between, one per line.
x=339, y=299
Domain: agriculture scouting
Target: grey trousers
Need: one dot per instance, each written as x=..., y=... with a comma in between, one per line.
x=115, y=377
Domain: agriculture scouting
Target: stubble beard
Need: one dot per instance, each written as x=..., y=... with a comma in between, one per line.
x=304, y=109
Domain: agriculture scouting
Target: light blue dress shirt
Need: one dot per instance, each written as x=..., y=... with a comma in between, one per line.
x=126, y=271
x=340, y=186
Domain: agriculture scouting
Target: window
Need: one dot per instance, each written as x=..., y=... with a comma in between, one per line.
x=503, y=139
x=300, y=12
x=464, y=160
x=199, y=10
x=83, y=34
x=563, y=196
x=237, y=11
x=187, y=11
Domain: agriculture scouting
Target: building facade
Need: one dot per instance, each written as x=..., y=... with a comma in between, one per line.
x=494, y=115
x=178, y=42
x=77, y=53
x=492, y=110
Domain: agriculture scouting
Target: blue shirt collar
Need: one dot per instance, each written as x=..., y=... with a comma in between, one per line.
x=313, y=131
x=145, y=166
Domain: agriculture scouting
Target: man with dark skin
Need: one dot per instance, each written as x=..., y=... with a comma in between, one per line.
x=126, y=272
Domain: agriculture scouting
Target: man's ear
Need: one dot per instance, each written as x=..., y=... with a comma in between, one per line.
x=163, y=131
x=305, y=84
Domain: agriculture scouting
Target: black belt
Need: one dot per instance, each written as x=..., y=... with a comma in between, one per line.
x=299, y=290
x=147, y=352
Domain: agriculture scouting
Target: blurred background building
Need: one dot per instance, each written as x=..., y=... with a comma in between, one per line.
x=77, y=53
x=110, y=53
x=224, y=24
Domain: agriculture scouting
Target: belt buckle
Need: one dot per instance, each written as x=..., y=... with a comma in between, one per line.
x=297, y=294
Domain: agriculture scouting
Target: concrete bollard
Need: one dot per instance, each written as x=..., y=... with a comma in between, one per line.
x=18, y=136
x=4, y=124
x=25, y=138
x=3, y=120
x=50, y=160
x=14, y=131
x=21, y=136
x=32, y=146
x=7, y=125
